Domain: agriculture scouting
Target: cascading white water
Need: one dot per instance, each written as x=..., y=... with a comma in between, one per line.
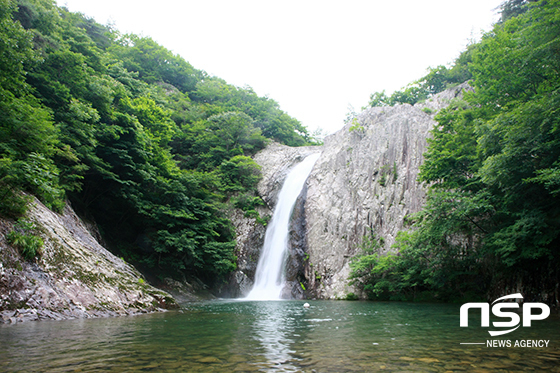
x=269, y=278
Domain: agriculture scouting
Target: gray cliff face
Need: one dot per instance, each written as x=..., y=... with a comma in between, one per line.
x=364, y=183
x=74, y=277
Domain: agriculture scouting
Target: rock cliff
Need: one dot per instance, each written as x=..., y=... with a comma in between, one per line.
x=73, y=277
x=364, y=183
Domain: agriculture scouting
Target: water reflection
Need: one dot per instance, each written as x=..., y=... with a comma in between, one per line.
x=275, y=328
x=278, y=336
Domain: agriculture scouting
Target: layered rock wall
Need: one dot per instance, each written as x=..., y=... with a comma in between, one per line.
x=73, y=277
x=365, y=183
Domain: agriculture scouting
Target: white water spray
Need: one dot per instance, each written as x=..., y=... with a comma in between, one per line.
x=269, y=278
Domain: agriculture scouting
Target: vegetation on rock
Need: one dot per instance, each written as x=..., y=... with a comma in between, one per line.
x=22, y=238
x=492, y=218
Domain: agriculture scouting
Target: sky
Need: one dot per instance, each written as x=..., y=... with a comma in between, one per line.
x=316, y=58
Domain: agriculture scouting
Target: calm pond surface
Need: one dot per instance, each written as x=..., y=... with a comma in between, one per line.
x=277, y=336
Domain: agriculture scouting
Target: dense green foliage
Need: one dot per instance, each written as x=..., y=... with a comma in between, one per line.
x=137, y=138
x=492, y=218
x=24, y=239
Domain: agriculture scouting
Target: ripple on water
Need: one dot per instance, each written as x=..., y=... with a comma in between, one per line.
x=228, y=336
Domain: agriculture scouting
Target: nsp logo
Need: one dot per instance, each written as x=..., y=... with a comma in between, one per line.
x=497, y=310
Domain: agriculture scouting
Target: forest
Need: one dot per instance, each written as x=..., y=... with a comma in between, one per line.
x=157, y=152
x=138, y=140
x=491, y=223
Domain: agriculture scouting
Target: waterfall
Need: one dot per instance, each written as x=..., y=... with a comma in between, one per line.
x=269, y=278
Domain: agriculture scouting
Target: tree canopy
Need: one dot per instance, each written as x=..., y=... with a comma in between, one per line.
x=133, y=135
